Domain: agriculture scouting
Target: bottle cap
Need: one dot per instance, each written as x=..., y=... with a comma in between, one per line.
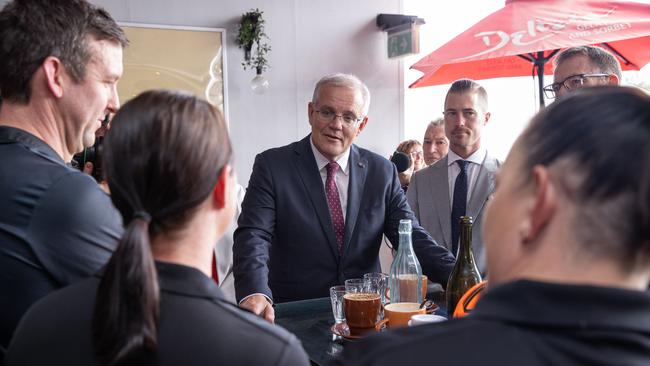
x=467, y=220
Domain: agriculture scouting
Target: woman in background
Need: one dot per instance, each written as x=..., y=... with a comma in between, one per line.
x=167, y=157
x=412, y=148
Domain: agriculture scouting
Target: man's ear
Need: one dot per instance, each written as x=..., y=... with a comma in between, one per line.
x=487, y=118
x=310, y=112
x=362, y=125
x=544, y=204
x=220, y=194
x=54, y=73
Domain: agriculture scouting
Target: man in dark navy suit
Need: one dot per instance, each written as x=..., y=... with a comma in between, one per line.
x=316, y=210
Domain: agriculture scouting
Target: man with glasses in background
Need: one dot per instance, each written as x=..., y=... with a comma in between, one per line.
x=583, y=66
x=460, y=183
x=315, y=210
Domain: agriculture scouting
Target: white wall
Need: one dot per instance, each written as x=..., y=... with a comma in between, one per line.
x=309, y=38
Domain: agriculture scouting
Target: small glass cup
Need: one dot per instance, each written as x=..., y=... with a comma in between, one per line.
x=377, y=283
x=354, y=285
x=336, y=296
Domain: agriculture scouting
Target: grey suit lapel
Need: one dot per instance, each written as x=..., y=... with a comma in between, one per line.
x=358, y=171
x=483, y=187
x=439, y=187
x=310, y=176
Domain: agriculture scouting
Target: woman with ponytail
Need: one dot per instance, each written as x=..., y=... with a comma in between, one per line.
x=167, y=158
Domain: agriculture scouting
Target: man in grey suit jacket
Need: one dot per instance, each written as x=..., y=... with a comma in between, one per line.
x=432, y=190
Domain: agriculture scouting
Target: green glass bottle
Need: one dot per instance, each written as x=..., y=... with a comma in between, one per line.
x=465, y=273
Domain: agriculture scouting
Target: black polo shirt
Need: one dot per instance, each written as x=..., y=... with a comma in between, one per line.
x=56, y=225
x=525, y=323
x=198, y=326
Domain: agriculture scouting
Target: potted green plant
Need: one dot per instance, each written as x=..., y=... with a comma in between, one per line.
x=251, y=33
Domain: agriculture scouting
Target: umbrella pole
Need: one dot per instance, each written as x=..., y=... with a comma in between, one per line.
x=540, y=60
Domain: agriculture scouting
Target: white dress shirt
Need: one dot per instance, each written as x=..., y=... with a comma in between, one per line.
x=476, y=159
x=223, y=252
x=342, y=175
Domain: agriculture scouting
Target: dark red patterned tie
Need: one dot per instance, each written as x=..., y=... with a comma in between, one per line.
x=334, y=204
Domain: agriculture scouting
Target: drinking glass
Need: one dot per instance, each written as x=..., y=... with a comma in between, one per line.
x=336, y=296
x=355, y=285
x=377, y=283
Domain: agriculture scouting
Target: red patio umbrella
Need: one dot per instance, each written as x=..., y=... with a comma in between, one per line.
x=521, y=38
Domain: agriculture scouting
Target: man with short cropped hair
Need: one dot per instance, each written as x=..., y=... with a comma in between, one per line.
x=460, y=183
x=59, y=66
x=583, y=66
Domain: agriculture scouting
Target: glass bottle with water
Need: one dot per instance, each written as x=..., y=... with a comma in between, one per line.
x=405, y=272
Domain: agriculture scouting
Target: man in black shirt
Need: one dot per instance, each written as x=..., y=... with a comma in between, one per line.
x=59, y=65
x=567, y=236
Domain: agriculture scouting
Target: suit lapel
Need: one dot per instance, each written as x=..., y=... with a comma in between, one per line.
x=358, y=170
x=310, y=176
x=483, y=187
x=439, y=190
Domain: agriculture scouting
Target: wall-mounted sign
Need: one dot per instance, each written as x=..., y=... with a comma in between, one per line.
x=404, y=42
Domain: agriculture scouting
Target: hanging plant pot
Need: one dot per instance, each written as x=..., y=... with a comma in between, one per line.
x=251, y=33
x=247, y=52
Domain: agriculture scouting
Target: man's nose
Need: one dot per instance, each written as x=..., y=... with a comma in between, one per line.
x=113, y=100
x=337, y=122
x=460, y=121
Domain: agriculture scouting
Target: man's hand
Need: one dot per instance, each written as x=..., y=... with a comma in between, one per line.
x=88, y=168
x=259, y=305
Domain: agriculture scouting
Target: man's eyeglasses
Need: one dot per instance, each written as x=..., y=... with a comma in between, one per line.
x=572, y=82
x=348, y=119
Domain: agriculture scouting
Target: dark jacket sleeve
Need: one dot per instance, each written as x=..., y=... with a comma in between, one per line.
x=436, y=261
x=293, y=354
x=252, y=239
x=75, y=228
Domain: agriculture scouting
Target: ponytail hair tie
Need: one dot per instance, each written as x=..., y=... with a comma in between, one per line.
x=142, y=215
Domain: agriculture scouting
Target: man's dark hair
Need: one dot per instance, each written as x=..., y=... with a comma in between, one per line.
x=462, y=86
x=604, y=61
x=32, y=30
x=596, y=142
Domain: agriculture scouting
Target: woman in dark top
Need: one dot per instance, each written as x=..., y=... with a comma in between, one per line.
x=167, y=159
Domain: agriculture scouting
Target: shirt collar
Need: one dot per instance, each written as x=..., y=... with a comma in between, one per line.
x=185, y=280
x=477, y=157
x=322, y=161
x=553, y=305
x=33, y=143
